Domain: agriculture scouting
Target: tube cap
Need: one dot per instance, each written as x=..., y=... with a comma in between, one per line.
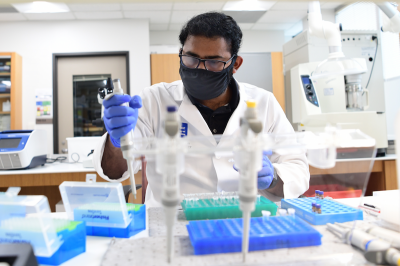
x=251, y=104
x=318, y=206
x=313, y=204
x=171, y=108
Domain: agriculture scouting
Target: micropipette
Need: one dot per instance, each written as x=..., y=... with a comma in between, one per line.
x=127, y=140
x=248, y=154
x=170, y=162
x=372, y=245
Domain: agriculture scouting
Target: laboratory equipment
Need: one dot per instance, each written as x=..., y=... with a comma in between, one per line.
x=331, y=211
x=19, y=254
x=248, y=155
x=376, y=250
x=170, y=163
x=323, y=102
x=22, y=149
x=221, y=205
x=309, y=47
x=114, y=87
x=27, y=219
x=103, y=208
x=224, y=236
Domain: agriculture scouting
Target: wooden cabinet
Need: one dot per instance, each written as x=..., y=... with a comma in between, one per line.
x=14, y=61
x=164, y=68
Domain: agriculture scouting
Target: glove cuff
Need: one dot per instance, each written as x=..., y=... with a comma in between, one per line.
x=274, y=180
x=115, y=142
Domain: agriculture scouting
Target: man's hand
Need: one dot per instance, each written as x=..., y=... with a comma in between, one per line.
x=266, y=174
x=120, y=120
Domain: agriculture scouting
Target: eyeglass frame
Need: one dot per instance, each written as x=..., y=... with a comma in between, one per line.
x=204, y=60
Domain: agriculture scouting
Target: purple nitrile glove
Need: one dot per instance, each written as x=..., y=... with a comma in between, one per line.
x=120, y=120
x=266, y=174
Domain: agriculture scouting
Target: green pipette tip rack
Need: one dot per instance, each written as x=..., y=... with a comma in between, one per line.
x=221, y=205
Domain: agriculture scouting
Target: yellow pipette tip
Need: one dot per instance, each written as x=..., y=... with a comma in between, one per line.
x=251, y=104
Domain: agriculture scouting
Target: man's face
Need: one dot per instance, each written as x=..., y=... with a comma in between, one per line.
x=206, y=48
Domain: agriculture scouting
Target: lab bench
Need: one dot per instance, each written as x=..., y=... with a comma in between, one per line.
x=44, y=180
x=148, y=248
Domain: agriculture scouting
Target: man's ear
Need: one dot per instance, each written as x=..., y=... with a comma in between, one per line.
x=238, y=63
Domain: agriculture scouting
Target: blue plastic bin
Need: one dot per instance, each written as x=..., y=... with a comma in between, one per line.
x=331, y=211
x=137, y=225
x=74, y=243
x=225, y=236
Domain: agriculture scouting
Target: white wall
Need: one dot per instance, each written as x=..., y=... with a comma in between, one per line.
x=37, y=41
x=252, y=42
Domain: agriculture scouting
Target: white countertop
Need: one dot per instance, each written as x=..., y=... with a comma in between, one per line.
x=50, y=168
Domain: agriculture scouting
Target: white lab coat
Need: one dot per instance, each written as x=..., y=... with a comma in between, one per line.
x=204, y=174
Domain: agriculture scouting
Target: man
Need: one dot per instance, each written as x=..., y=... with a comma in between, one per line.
x=210, y=101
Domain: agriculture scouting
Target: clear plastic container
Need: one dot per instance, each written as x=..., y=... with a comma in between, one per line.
x=27, y=219
x=97, y=204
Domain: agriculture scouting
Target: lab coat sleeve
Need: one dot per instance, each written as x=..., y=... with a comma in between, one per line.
x=143, y=128
x=292, y=168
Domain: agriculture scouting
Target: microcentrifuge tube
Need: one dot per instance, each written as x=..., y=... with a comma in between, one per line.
x=321, y=195
x=291, y=212
x=265, y=215
x=318, y=208
x=313, y=206
x=282, y=212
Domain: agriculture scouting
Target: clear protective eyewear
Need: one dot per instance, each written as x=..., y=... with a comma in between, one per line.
x=209, y=64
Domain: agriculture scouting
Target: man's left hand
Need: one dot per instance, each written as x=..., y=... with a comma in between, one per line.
x=266, y=175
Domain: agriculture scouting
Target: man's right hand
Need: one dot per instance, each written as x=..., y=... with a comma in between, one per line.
x=120, y=120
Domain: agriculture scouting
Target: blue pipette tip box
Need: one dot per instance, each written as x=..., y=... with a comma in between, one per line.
x=138, y=224
x=331, y=211
x=74, y=243
x=225, y=236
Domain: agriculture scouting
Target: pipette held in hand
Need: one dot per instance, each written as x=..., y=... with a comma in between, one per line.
x=126, y=142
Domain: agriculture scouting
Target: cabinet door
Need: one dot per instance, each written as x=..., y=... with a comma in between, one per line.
x=164, y=68
x=78, y=81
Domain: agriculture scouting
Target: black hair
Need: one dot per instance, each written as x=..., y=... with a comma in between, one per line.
x=213, y=25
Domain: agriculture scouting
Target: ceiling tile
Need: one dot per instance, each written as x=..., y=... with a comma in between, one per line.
x=163, y=26
x=204, y=6
x=272, y=26
x=280, y=16
x=283, y=5
x=11, y=17
x=245, y=26
x=147, y=6
x=248, y=5
x=179, y=16
x=245, y=16
x=94, y=7
x=49, y=16
x=175, y=26
x=99, y=15
x=157, y=17
x=331, y=5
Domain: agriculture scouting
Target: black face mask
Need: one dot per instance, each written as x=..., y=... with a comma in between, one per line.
x=203, y=84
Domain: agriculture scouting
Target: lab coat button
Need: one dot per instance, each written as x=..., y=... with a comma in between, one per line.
x=218, y=157
x=214, y=130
